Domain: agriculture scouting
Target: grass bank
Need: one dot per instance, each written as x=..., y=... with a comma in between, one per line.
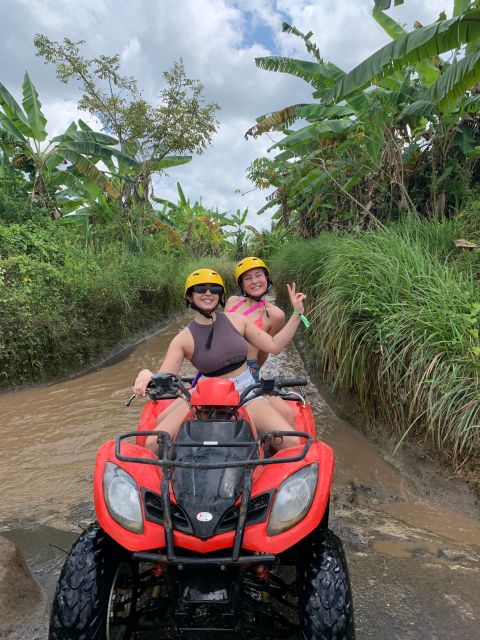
x=395, y=318
x=63, y=308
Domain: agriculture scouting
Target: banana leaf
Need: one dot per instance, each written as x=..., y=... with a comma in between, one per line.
x=33, y=109
x=315, y=132
x=410, y=48
x=8, y=125
x=85, y=136
x=159, y=164
x=99, y=151
x=9, y=138
x=459, y=77
x=426, y=70
x=420, y=109
x=310, y=46
x=88, y=169
x=465, y=140
x=314, y=112
x=382, y=5
x=324, y=74
x=461, y=6
x=53, y=160
x=275, y=120
x=14, y=112
x=470, y=104
x=284, y=156
x=269, y=205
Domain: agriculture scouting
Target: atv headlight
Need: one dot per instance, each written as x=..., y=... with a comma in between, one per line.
x=122, y=498
x=293, y=499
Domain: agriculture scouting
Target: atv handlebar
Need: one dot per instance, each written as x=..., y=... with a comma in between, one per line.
x=271, y=386
x=166, y=385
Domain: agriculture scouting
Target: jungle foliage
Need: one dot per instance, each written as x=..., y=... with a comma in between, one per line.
x=64, y=305
x=398, y=135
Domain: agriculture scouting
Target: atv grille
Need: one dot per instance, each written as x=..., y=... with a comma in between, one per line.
x=257, y=511
x=154, y=512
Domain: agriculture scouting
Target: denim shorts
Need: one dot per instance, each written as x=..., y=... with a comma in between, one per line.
x=254, y=369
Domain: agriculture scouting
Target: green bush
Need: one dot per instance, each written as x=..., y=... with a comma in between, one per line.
x=62, y=308
x=15, y=205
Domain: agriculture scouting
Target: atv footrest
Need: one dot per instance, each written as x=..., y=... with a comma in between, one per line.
x=145, y=556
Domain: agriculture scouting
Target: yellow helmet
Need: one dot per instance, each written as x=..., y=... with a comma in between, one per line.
x=203, y=276
x=249, y=263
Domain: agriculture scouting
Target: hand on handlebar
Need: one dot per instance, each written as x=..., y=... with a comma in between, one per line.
x=296, y=298
x=141, y=382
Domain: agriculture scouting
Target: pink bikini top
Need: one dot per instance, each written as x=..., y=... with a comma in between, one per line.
x=260, y=303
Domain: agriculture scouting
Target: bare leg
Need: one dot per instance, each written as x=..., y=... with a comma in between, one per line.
x=266, y=418
x=169, y=423
x=283, y=408
x=171, y=407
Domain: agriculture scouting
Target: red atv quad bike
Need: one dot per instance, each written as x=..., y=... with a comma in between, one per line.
x=217, y=534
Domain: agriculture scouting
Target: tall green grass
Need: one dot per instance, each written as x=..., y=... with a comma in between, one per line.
x=394, y=320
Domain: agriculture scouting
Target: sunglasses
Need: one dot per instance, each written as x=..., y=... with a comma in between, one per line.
x=215, y=289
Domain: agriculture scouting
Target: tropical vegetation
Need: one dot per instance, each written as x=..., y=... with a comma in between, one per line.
x=398, y=135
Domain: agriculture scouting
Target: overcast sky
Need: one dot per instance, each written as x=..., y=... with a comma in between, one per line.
x=218, y=41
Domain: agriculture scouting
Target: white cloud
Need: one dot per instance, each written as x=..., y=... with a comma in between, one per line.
x=132, y=50
x=218, y=41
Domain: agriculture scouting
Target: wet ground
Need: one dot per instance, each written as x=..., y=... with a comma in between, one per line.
x=412, y=536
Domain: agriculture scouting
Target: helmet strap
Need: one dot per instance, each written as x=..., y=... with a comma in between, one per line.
x=208, y=315
x=205, y=314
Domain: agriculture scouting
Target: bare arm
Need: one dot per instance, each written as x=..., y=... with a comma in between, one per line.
x=172, y=363
x=277, y=323
x=275, y=344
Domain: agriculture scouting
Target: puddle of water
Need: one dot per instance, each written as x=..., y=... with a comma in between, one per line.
x=44, y=548
x=436, y=519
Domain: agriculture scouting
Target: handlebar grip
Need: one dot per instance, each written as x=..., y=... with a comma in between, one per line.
x=295, y=382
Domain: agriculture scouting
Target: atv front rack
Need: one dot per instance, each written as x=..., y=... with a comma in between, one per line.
x=167, y=444
x=168, y=465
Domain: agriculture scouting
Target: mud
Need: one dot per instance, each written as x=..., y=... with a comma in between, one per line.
x=412, y=535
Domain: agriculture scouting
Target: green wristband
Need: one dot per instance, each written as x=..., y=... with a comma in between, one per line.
x=303, y=318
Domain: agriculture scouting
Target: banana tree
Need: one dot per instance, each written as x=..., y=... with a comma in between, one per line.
x=51, y=165
x=200, y=228
x=364, y=142
x=239, y=234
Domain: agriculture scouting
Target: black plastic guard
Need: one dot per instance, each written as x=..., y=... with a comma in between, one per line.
x=206, y=494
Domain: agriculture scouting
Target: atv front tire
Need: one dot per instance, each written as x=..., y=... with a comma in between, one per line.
x=94, y=592
x=324, y=595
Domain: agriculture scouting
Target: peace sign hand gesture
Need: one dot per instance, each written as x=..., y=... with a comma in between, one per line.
x=296, y=298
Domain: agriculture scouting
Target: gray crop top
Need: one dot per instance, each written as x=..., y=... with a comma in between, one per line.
x=227, y=349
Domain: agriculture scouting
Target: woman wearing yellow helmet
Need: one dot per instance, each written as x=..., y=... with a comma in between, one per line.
x=253, y=279
x=217, y=345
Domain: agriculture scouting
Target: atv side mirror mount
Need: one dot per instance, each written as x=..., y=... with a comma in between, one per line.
x=267, y=385
x=163, y=381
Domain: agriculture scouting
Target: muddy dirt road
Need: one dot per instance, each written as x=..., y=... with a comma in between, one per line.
x=414, y=558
